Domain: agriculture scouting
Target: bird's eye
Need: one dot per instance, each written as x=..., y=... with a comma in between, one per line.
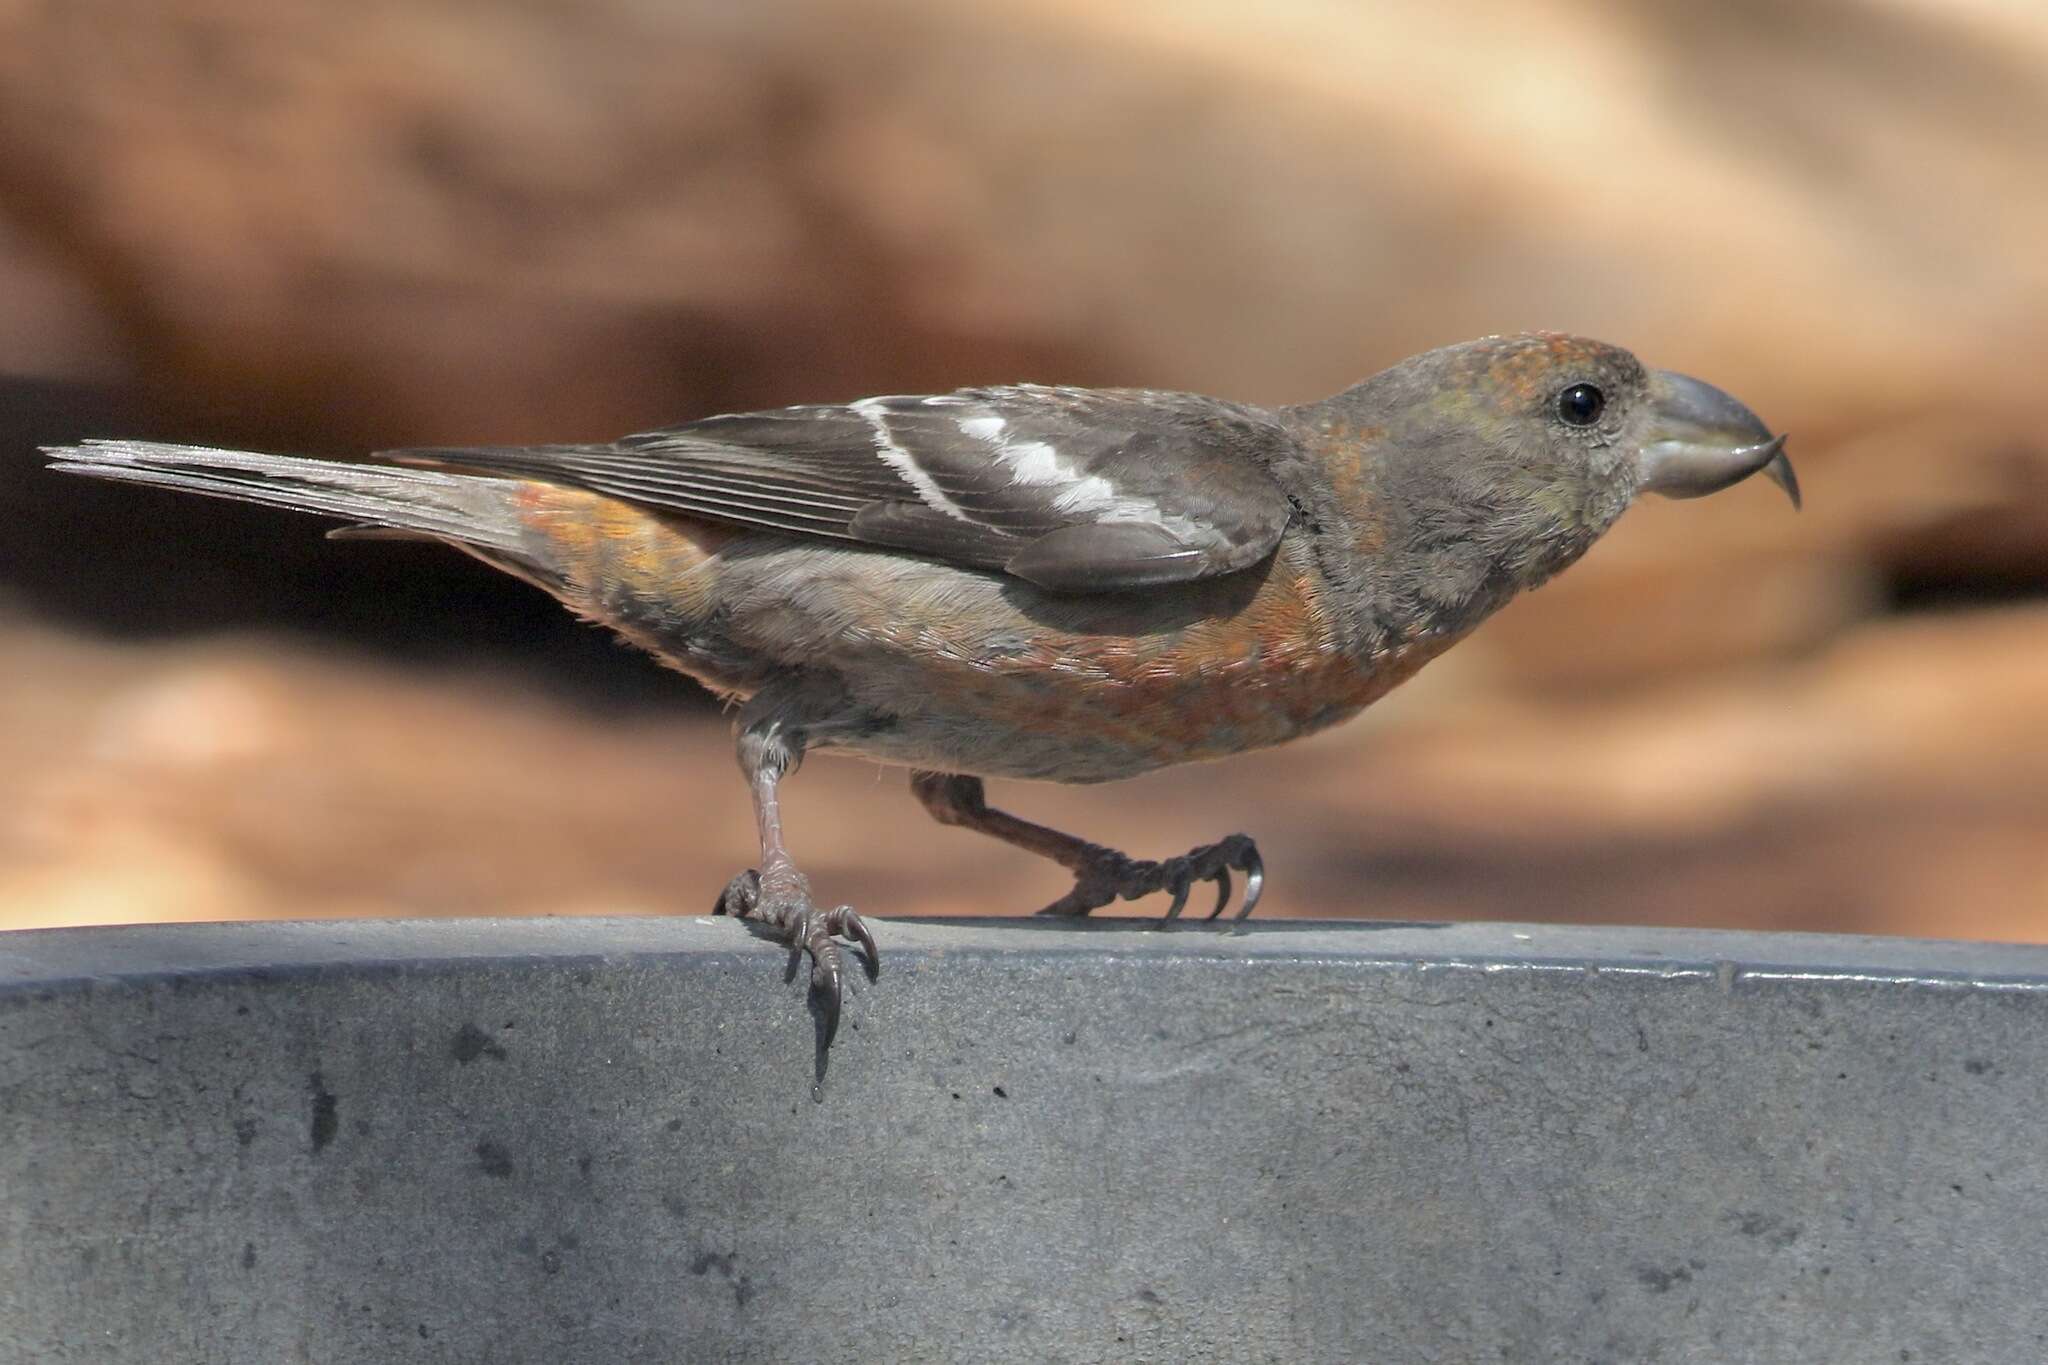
x=1580, y=405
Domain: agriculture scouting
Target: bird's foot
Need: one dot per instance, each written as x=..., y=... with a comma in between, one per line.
x=1107, y=876
x=782, y=904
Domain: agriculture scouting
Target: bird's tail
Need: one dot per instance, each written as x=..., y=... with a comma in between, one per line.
x=471, y=510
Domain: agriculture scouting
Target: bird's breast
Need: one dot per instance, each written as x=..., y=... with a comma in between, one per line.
x=962, y=670
x=1017, y=683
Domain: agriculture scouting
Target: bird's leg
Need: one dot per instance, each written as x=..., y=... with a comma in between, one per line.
x=1101, y=875
x=776, y=894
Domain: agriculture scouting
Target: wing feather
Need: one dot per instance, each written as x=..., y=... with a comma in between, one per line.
x=1077, y=490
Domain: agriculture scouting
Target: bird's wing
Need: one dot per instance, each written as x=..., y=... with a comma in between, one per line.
x=1077, y=490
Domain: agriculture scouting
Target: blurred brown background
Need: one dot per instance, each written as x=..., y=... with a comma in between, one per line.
x=294, y=225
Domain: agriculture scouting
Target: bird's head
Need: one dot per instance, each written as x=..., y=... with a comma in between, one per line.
x=1530, y=446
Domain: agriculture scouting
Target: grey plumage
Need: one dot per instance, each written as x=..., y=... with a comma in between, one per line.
x=465, y=509
x=1077, y=490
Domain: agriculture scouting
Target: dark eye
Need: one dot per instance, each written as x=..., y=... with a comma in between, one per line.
x=1580, y=405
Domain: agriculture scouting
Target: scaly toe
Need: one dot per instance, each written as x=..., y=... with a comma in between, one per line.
x=1182, y=885
x=1242, y=854
x=1222, y=880
x=740, y=896
x=782, y=906
x=808, y=933
x=846, y=922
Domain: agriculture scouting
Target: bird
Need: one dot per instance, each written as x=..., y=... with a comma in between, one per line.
x=1044, y=582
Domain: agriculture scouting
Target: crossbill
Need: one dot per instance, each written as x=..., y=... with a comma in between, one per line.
x=1047, y=583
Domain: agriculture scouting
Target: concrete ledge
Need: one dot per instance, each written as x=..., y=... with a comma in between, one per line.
x=577, y=1140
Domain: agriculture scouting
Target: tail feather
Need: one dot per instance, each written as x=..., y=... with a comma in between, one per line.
x=469, y=509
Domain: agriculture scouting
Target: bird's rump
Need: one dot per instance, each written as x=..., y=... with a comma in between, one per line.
x=1076, y=490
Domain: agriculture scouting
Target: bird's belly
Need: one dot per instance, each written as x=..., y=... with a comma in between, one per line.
x=967, y=672
x=998, y=724
x=962, y=671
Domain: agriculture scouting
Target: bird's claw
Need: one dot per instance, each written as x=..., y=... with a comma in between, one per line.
x=1215, y=862
x=1110, y=876
x=788, y=912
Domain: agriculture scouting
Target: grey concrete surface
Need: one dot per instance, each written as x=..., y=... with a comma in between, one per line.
x=577, y=1140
